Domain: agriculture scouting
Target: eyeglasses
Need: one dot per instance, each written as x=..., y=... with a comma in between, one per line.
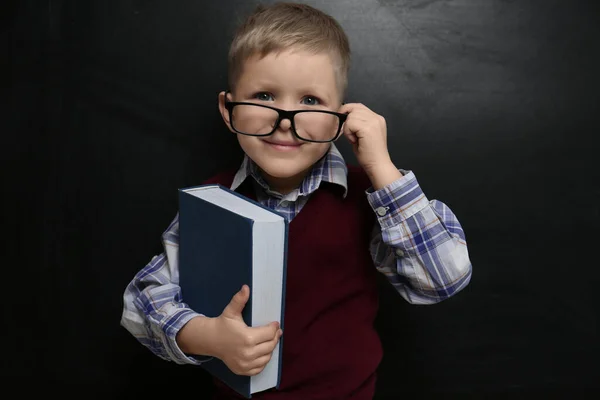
x=317, y=126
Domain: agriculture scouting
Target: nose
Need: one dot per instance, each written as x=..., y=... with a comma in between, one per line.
x=285, y=124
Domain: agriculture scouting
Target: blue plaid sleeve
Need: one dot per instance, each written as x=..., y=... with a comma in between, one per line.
x=153, y=311
x=419, y=245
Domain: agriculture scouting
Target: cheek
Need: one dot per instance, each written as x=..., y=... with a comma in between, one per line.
x=319, y=151
x=247, y=143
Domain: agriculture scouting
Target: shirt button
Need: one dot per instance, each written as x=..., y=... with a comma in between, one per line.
x=399, y=253
x=381, y=211
x=284, y=203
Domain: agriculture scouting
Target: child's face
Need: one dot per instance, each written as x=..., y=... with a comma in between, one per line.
x=290, y=80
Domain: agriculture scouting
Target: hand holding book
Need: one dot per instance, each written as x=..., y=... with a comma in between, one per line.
x=245, y=350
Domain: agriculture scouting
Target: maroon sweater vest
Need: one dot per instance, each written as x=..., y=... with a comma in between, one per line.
x=330, y=348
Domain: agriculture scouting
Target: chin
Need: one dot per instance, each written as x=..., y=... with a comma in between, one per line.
x=281, y=169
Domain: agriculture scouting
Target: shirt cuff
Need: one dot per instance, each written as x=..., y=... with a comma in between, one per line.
x=397, y=201
x=175, y=353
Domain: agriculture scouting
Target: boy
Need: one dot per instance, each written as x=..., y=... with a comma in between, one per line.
x=346, y=222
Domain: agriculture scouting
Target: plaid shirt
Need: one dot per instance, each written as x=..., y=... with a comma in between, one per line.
x=417, y=244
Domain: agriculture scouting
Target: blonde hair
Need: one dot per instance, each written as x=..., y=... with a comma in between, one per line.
x=284, y=26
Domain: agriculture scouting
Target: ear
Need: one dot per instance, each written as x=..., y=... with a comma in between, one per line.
x=223, y=110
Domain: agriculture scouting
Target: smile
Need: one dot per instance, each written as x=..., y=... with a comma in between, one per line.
x=283, y=146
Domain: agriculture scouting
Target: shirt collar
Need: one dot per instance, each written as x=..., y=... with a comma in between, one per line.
x=330, y=168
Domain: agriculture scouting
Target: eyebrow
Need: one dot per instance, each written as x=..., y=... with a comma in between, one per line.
x=318, y=92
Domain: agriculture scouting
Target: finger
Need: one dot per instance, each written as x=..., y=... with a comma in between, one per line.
x=260, y=362
x=351, y=107
x=255, y=371
x=350, y=136
x=360, y=126
x=238, y=302
x=352, y=129
x=266, y=348
x=266, y=333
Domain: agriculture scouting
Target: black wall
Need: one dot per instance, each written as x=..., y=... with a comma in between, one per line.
x=110, y=106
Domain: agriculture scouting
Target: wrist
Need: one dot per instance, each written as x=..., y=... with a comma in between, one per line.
x=197, y=337
x=383, y=174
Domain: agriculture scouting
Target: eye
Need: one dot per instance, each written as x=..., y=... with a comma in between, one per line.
x=310, y=101
x=263, y=96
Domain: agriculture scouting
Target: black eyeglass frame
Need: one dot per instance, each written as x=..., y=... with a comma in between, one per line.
x=283, y=114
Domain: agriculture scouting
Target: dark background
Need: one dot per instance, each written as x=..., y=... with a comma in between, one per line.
x=110, y=106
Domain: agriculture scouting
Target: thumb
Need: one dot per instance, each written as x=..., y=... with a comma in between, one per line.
x=237, y=303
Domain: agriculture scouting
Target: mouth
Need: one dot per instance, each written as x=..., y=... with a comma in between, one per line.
x=283, y=146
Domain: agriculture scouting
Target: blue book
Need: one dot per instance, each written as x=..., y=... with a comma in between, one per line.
x=225, y=241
